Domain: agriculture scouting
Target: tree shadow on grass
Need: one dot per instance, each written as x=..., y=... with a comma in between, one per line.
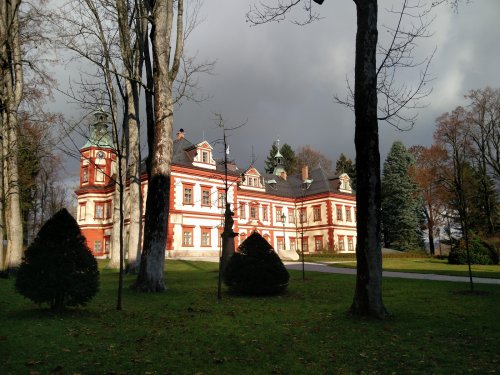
x=469, y=292
x=194, y=265
x=34, y=313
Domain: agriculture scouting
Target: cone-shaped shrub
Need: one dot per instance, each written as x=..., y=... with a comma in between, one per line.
x=256, y=268
x=58, y=268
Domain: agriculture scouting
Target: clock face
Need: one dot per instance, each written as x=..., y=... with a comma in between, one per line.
x=100, y=155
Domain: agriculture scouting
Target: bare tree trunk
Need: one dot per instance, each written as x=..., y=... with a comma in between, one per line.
x=15, y=240
x=12, y=89
x=432, y=248
x=2, y=196
x=128, y=52
x=3, y=140
x=368, y=292
x=150, y=277
x=429, y=217
x=116, y=240
x=134, y=190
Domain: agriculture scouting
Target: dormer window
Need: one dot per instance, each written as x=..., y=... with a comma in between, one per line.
x=345, y=185
x=272, y=183
x=204, y=157
x=252, y=179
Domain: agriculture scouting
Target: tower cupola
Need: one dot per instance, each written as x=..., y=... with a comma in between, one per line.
x=279, y=163
x=99, y=134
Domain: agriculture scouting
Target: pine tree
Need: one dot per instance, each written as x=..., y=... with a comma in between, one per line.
x=289, y=159
x=58, y=267
x=401, y=214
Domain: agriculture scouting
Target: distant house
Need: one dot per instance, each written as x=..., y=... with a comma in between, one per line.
x=312, y=211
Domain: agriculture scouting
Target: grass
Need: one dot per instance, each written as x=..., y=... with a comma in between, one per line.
x=421, y=265
x=436, y=329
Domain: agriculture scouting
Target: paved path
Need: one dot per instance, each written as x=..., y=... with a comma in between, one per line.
x=324, y=267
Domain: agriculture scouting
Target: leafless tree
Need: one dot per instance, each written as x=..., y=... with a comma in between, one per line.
x=484, y=118
x=453, y=135
x=368, y=293
x=370, y=80
x=11, y=90
x=399, y=101
x=25, y=85
x=173, y=80
x=306, y=155
x=89, y=30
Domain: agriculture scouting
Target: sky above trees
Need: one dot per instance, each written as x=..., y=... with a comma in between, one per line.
x=283, y=77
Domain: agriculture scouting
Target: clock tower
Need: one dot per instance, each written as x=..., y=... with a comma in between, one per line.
x=96, y=189
x=98, y=156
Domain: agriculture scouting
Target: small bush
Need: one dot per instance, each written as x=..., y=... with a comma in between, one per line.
x=256, y=268
x=58, y=268
x=480, y=252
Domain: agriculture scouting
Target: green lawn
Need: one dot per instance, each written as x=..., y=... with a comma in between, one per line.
x=436, y=329
x=420, y=265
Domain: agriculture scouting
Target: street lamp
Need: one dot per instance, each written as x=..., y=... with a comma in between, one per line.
x=283, y=218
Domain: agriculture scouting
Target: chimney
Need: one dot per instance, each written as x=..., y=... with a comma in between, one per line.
x=283, y=175
x=180, y=134
x=305, y=172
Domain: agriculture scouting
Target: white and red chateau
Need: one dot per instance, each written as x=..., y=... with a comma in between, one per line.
x=312, y=206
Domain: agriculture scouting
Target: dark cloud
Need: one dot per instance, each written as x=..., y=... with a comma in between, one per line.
x=283, y=77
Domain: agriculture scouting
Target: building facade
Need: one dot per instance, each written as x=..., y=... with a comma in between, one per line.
x=310, y=212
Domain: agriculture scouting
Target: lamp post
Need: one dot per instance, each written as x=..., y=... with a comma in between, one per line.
x=283, y=218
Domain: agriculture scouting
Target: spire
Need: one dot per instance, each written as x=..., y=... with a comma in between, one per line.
x=99, y=135
x=278, y=158
x=279, y=166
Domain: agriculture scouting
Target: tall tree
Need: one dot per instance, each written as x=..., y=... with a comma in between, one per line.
x=484, y=123
x=313, y=159
x=400, y=200
x=97, y=43
x=170, y=26
x=484, y=118
x=131, y=55
x=368, y=293
x=30, y=154
x=427, y=173
x=289, y=158
x=453, y=135
x=11, y=91
x=166, y=35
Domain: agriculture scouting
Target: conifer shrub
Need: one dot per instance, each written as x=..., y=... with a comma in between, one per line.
x=58, y=268
x=480, y=252
x=256, y=269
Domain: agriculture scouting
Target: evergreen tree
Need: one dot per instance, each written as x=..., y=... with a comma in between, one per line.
x=345, y=165
x=289, y=159
x=58, y=267
x=256, y=268
x=401, y=215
